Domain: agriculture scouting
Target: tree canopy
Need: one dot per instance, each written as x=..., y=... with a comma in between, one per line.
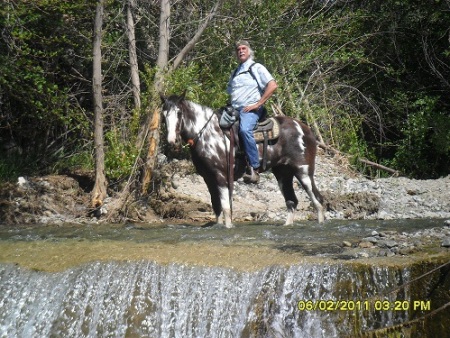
x=371, y=77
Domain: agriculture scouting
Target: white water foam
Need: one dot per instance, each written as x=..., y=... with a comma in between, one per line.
x=144, y=299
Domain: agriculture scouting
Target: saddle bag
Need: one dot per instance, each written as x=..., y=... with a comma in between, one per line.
x=229, y=117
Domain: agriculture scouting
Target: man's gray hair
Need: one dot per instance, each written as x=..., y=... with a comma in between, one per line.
x=245, y=43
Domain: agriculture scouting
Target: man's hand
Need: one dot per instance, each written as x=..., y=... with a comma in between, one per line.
x=251, y=107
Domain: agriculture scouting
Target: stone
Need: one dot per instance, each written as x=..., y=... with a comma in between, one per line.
x=387, y=243
x=365, y=245
x=405, y=251
x=390, y=253
x=383, y=215
x=383, y=252
x=21, y=181
x=446, y=242
x=175, y=184
x=389, y=233
x=370, y=239
x=347, y=244
x=48, y=213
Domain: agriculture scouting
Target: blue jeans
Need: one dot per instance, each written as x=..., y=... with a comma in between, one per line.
x=248, y=121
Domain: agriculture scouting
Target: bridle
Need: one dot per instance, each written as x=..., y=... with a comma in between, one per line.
x=191, y=142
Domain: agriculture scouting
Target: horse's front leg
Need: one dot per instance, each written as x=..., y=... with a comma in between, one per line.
x=307, y=181
x=220, y=200
x=224, y=216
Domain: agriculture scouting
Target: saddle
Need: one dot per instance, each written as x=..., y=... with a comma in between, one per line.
x=267, y=129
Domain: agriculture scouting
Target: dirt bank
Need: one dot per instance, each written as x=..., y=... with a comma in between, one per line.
x=183, y=197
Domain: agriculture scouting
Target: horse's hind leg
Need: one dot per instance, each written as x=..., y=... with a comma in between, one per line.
x=307, y=181
x=285, y=182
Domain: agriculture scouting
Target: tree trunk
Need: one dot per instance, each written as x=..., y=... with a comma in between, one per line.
x=164, y=38
x=153, y=113
x=99, y=191
x=153, y=121
x=135, y=82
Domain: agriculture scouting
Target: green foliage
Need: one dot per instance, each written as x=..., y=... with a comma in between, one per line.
x=37, y=51
x=184, y=79
x=424, y=150
x=199, y=85
x=372, y=76
x=11, y=167
x=77, y=159
x=119, y=156
x=9, y=170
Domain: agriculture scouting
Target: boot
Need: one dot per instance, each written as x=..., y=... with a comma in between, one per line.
x=251, y=176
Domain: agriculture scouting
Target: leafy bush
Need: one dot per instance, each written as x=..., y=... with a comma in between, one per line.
x=119, y=156
x=424, y=150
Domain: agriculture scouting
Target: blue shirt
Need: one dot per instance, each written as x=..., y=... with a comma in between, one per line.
x=243, y=88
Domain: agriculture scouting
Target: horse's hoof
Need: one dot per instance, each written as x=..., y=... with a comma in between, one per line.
x=209, y=225
x=221, y=226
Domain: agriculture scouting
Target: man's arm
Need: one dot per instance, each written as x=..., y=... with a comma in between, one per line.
x=270, y=89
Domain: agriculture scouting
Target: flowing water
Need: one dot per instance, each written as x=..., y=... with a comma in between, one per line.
x=256, y=280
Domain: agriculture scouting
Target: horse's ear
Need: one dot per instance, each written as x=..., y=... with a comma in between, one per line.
x=163, y=98
x=183, y=96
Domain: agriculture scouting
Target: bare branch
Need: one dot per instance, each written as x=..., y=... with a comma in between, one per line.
x=431, y=64
x=191, y=44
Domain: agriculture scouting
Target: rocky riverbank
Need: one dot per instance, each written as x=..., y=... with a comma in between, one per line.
x=183, y=198
x=348, y=195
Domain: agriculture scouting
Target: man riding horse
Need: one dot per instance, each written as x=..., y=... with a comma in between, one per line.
x=250, y=86
x=290, y=154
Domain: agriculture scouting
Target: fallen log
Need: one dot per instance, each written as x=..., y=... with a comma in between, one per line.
x=379, y=166
x=328, y=148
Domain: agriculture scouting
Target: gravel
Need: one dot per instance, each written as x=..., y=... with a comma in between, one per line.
x=347, y=194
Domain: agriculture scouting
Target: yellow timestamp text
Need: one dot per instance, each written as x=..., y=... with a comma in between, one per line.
x=363, y=305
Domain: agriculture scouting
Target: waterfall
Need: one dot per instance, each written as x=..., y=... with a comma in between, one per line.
x=146, y=299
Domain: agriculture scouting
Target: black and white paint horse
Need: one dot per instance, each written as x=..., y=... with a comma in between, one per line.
x=292, y=154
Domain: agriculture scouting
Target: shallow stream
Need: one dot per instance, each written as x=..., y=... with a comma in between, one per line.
x=256, y=280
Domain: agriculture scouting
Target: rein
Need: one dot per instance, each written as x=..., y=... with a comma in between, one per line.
x=230, y=170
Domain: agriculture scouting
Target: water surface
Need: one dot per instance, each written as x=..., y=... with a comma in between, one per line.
x=247, y=246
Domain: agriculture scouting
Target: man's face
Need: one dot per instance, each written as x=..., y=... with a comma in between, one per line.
x=242, y=53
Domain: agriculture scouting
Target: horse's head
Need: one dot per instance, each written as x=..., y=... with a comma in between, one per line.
x=172, y=114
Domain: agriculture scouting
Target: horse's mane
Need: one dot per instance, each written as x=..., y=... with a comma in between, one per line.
x=184, y=103
x=174, y=99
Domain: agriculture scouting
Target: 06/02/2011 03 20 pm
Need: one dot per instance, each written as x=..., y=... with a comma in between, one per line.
x=363, y=305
